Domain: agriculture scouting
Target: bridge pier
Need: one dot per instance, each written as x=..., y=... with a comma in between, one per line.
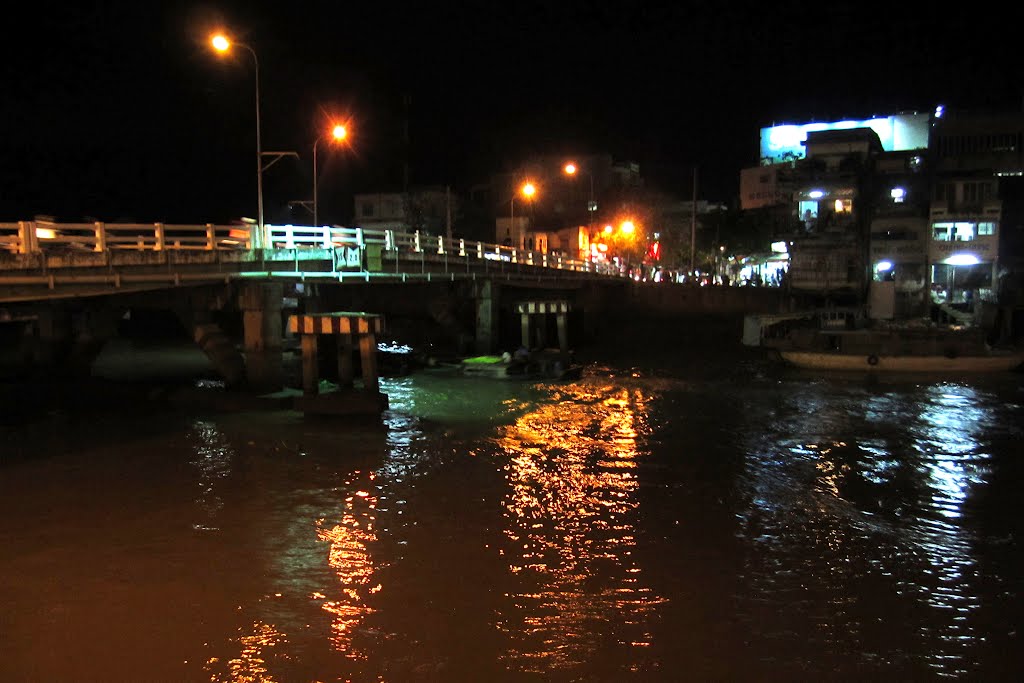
x=350, y=330
x=68, y=341
x=533, y=325
x=262, y=343
x=487, y=316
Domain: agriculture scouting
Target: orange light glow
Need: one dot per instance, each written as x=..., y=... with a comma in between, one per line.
x=608, y=229
x=627, y=227
x=339, y=132
x=529, y=189
x=220, y=43
x=570, y=168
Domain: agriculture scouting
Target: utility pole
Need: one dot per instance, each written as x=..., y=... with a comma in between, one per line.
x=448, y=209
x=693, y=224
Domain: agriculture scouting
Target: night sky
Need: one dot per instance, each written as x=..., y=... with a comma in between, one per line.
x=121, y=111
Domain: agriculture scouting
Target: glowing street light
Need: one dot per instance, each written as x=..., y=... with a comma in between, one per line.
x=570, y=169
x=338, y=133
x=528, y=190
x=222, y=44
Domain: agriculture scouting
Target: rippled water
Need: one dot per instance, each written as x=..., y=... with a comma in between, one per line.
x=674, y=520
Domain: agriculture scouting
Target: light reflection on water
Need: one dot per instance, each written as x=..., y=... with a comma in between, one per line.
x=571, y=509
x=622, y=527
x=890, y=476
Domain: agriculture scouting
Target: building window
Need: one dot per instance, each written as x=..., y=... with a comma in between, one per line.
x=366, y=210
x=963, y=232
x=898, y=194
x=986, y=228
x=844, y=206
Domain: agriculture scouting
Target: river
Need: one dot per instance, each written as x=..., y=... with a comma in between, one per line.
x=685, y=511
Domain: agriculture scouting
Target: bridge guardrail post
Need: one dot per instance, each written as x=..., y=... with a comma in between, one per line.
x=28, y=243
x=101, y=237
x=158, y=233
x=211, y=237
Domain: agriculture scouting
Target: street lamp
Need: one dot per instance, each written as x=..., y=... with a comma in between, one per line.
x=338, y=133
x=528, y=190
x=221, y=44
x=571, y=169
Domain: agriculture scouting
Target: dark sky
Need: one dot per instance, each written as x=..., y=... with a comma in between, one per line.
x=119, y=110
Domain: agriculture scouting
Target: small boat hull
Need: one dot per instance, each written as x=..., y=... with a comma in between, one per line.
x=824, y=360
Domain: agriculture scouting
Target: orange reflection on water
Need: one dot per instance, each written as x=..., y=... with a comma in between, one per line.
x=352, y=562
x=250, y=665
x=569, y=512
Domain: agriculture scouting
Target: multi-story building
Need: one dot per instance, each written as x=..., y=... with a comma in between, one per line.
x=902, y=212
x=976, y=158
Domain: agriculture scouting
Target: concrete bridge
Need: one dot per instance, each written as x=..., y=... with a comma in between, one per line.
x=65, y=287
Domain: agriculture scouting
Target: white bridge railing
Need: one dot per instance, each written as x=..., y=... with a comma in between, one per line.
x=42, y=237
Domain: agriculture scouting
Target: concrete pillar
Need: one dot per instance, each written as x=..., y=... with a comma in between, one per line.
x=368, y=356
x=310, y=365
x=346, y=371
x=563, y=336
x=219, y=349
x=53, y=338
x=487, y=299
x=263, y=334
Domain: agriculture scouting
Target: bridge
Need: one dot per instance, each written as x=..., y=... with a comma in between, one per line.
x=41, y=260
x=64, y=288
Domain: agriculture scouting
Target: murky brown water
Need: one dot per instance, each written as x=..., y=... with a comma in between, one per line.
x=699, y=520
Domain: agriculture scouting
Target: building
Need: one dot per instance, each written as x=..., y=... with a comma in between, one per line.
x=427, y=210
x=904, y=212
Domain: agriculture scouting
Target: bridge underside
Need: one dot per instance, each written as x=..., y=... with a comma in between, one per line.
x=240, y=326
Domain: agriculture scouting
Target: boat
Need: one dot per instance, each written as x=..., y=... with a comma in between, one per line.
x=540, y=364
x=996, y=360
x=845, y=340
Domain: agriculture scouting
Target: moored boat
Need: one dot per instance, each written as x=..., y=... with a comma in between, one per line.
x=541, y=364
x=837, y=340
x=995, y=361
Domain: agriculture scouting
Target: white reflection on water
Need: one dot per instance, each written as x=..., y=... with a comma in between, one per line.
x=211, y=456
x=873, y=482
x=951, y=463
x=571, y=530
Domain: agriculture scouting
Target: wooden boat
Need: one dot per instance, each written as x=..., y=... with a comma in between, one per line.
x=995, y=361
x=834, y=341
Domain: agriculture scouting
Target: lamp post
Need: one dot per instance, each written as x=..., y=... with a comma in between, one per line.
x=221, y=44
x=527, y=189
x=338, y=133
x=571, y=169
